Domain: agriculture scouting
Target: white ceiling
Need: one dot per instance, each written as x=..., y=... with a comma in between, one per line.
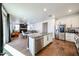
x=33, y=12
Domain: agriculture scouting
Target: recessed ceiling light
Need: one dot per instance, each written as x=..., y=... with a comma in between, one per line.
x=44, y=9
x=69, y=10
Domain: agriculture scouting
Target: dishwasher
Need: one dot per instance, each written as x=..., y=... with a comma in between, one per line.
x=38, y=43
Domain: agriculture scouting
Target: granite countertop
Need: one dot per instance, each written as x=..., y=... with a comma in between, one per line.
x=35, y=35
x=77, y=33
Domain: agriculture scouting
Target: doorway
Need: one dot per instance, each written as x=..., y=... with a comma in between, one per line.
x=45, y=28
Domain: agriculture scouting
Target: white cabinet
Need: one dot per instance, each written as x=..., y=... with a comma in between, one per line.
x=32, y=45
x=73, y=38
x=47, y=39
x=70, y=37
x=36, y=44
x=62, y=36
x=50, y=38
x=77, y=41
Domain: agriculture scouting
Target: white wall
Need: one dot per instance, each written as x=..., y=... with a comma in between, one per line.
x=38, y=26
x=30, y=27
x=13, y=22
x=69, y=20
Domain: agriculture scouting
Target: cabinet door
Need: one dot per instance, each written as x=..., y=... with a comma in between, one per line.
x=45, y=40
x=49, y=38
x=70, y=37
x=61, y=36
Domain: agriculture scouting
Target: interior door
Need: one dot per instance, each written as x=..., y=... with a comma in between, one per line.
x=45, y=28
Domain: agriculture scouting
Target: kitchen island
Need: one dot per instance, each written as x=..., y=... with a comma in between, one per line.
x=38, y=41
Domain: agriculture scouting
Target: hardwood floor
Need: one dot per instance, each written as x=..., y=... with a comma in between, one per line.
x=20, y=44
x=59, y=48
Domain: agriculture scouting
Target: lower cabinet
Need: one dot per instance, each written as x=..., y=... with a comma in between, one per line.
x=50, y=38
x=62, y=36
x=70, y=37
x=47, y=39
x=36, y=44
x=77, y=41
x=73, y=38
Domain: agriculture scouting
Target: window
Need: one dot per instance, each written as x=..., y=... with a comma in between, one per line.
x=17, y=28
